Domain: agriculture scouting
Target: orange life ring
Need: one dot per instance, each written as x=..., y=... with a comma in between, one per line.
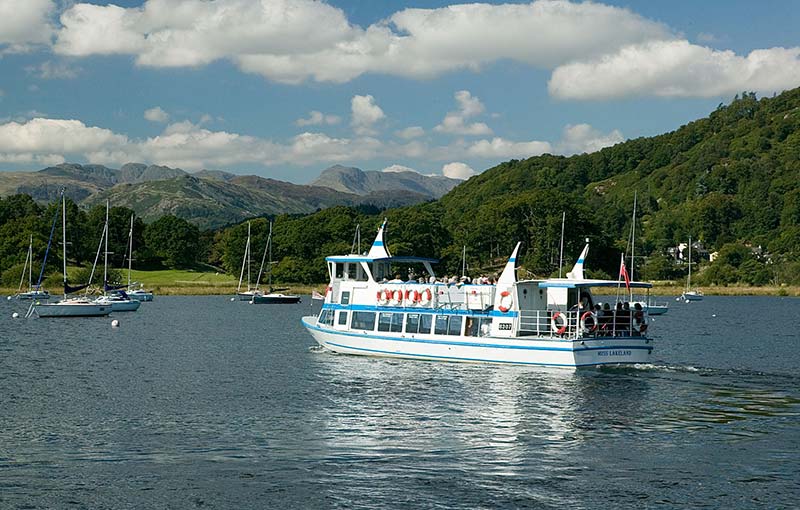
x=397, y=297
x=381, y=297
x=425, y=297
x=589, y=315
x=559, y=330
x=506, y=300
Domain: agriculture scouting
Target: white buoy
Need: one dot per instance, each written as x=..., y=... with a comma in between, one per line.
x=14, y=315
x=713, y=315
x=115, y=323
x=233, y=299
x=9, y=298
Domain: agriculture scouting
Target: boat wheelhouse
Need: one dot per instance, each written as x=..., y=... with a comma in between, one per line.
x=554, y=322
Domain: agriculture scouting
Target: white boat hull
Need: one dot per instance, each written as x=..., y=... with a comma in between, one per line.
x=127, y=305
x=691, y=296
x=520, y=350
x=141, y=295
x=69, y=309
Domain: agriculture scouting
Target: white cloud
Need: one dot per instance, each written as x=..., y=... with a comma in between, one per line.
x=677, y=69
x=580, y=138
x=410, y=132
x=502, y=148
x=455, y=122
x=54, y=135
x=316, y=118
x=24, y=23
x=295, y=40
x=365, y=114
x=398, y=168
x=156, y=114
x=50, y=70
x=456, y=170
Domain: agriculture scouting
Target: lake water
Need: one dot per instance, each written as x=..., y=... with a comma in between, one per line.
x=199, y=402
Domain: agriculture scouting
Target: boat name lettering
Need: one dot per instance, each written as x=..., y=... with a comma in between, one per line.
x=614, y=353
x=504, y=326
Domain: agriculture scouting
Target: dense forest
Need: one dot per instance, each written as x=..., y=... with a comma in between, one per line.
x=731, y=181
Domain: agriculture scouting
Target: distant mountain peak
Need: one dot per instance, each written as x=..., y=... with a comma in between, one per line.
x=395, y=178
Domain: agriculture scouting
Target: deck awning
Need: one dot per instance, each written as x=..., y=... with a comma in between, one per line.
x=363, y=258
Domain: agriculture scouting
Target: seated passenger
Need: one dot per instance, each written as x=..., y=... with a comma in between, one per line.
x=396, y=279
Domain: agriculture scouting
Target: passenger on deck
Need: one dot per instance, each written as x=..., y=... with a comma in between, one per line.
x=432, y=279
x=639, y=324
x=396, y=279
x=606, y=320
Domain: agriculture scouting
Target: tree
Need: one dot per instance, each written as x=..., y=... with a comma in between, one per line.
x=174, y=240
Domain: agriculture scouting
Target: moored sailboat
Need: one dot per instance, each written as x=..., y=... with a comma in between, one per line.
x=690, y=294
x=273, y=297
x=68, y=307
x=34, y=291
x=113, y=295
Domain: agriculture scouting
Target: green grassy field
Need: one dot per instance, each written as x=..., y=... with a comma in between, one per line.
x=200, y=282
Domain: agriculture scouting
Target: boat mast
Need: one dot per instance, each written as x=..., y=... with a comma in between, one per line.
x=263, y=257
x=130, y=252
x=64, y=238
x=269, y=245
x=633, y=237
x=244, y=261
x=689, y=280
x=561, y=255
x=28, y=257
x=105, y=253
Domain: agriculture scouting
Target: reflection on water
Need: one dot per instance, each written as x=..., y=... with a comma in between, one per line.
x=199, y=402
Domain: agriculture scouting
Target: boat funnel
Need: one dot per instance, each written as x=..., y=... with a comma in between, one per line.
x=378, y=249
x=509, y=274
x=577, y=269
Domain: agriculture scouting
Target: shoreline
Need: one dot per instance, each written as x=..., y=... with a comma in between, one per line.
x=304, y=289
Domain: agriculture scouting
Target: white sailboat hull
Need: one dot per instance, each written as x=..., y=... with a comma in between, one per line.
x=72, y=309
x=140, y=295
x=692, y=296
x=519, y=350
x=122, y=305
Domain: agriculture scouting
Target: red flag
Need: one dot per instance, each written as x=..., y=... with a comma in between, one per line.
x=624, y=273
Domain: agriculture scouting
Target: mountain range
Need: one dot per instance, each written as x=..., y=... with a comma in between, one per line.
x=210, y=199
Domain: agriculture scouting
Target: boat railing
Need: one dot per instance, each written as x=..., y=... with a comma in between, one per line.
x=570, y=325
x=421, y=295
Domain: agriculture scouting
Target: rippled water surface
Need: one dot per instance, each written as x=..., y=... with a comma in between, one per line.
x=203, y=402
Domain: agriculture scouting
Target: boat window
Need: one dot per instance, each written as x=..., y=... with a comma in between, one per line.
x=326, y=317
x=441, y=325
x=363, y=320
x=351, y=271
x=384, y=321
x=397, y=322
x=455, y=326
x=425, y=323
x=412, y=323
x=345, y=299
x=343, y=318
x=478, y=326
x=338, y=270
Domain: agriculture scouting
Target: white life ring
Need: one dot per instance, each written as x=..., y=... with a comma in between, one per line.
x=425, y=297
x=381, y=297
x=554, y=324
x=592, y=326
x=506, y=301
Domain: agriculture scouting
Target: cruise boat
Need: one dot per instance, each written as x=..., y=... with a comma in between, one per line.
x=552, y=322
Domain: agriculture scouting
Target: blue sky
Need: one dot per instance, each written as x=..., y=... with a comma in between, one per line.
x=286, y=88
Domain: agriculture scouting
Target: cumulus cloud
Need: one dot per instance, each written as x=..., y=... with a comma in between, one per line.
x=501, y=148
x=23, y=24
x=676, y=69
x=456, y=122
x=410, y=132
x=365, y=113
x=295, y=40
x=316, y=118
x=156, y=114
x=456, y=170
x=580, y=138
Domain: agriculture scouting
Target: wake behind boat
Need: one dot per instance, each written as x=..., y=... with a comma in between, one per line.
x=553, y=322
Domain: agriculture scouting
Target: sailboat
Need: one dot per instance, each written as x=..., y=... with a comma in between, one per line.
x=273, y=297
x=113, y=295
x=34, y=291
x=691, y=295
x=246, y=295
x=68, y=307
x=137, y=293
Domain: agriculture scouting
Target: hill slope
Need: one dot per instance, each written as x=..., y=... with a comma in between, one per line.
x=355, y=180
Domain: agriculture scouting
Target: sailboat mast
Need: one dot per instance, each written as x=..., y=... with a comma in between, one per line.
x=248, y=255
x=633, y=238
x=269, y=245
x=689, y=280
x=130, y=251
x=561, y=255
x=30, y=264
x=263, y=258
x=64, y=238
x=105, y=252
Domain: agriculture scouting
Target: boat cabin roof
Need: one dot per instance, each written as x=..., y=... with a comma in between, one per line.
x=566, y=283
